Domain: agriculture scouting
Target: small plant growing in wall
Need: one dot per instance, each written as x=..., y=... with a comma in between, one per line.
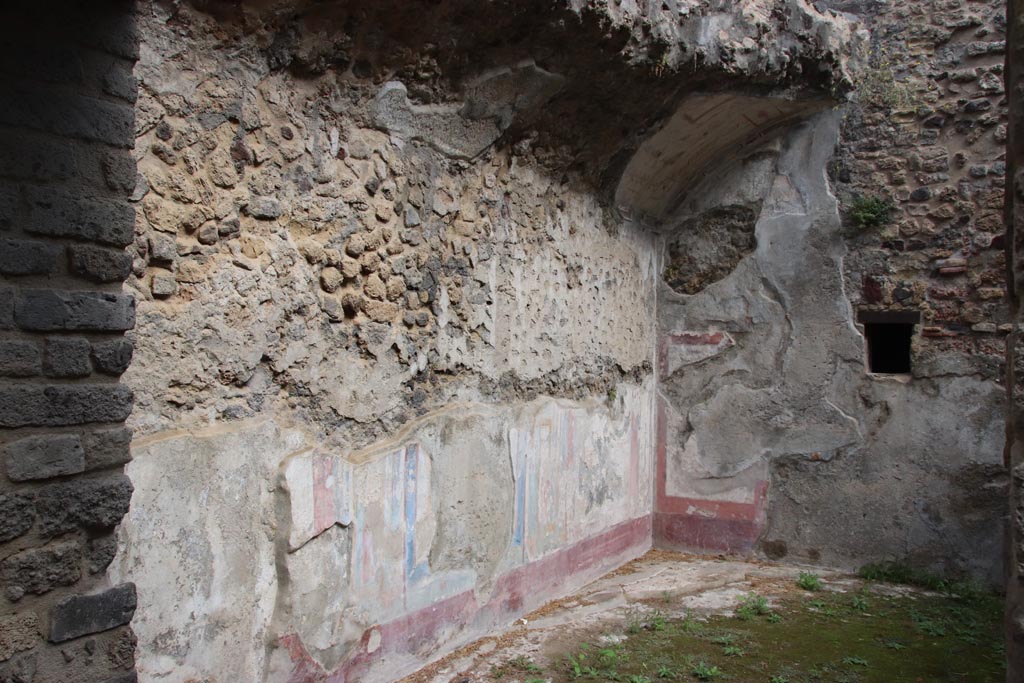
x=877, y=85
x=868, y=211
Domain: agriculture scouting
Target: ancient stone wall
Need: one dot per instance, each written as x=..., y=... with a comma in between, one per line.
x=396, y=311
x=926, y=133
x=353, y=314
x=774, y=434
x=65, y=158
x=1014, y=79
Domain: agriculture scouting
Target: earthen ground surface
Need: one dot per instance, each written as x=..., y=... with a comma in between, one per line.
x=674, y=584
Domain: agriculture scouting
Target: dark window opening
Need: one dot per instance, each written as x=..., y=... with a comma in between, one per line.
x=888, y=334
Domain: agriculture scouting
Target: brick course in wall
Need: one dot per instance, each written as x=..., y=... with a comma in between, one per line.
x=66, y=172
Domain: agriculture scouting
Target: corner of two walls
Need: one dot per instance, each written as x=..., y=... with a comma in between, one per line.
x=756, y=343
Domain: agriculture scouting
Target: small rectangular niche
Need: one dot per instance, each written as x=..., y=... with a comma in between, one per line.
x=888, y=335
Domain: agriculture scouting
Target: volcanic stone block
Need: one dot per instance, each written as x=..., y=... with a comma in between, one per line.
x=68, y=115
x=40, y=570
x=35, y=159
x=28, y=257
x=67, y=357
x=42, y=457
x=16, y=515
x=63, y=404
x=52, y=310
x=99, y=220
x=19, y=358
x=112, y=357
x=107, y=447
x=100, y=264
x=84, y=614
x=87, y=503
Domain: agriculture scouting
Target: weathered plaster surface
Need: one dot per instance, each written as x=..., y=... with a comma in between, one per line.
x=333, y=561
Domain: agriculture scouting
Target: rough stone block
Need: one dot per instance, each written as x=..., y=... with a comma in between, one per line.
x=16, y=515
x=84, y=614
x=114, y=31
x=264, y=208
x=20, y=669
x=43, y=457
x=162, y=248
x=67, y=357
x=163, y=285
x=52, y=310
x=101, y=220
x=6, y=308
x=40, y=570
x=19, y=358
x=112, y=357
x=100, y=264
x=31, y=158
x=107, y=447
x=17, y=634
x=86, y=503
x=69, y=115
x=120, y=82
x=119, y=172
x=28, y=257
x=101, y=553
x=62, y=405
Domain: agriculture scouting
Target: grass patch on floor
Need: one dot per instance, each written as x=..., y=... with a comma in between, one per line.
x=824, y=636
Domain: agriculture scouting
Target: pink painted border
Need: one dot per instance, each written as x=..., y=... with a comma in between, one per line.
x=443, y=626
x=684, y=339
x=698, y=525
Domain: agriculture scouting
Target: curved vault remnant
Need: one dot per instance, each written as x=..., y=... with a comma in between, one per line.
x=705, y=130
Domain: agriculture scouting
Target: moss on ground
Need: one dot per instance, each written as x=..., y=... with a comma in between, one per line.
x=801, y=637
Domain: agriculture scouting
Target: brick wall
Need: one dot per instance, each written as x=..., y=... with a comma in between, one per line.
x=66, y=171
x=1014, y=348
x=926, y=134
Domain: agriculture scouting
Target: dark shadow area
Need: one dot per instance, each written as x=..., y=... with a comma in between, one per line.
x=888, y=334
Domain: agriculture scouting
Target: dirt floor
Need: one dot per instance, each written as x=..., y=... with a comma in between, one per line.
x=673, y=617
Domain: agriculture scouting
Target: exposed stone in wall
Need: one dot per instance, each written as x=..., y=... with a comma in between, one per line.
x=925, y=131
x=707, y=248
x=1014, y=349
x=279, y=225
x=65, y=139
x=334, y=238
